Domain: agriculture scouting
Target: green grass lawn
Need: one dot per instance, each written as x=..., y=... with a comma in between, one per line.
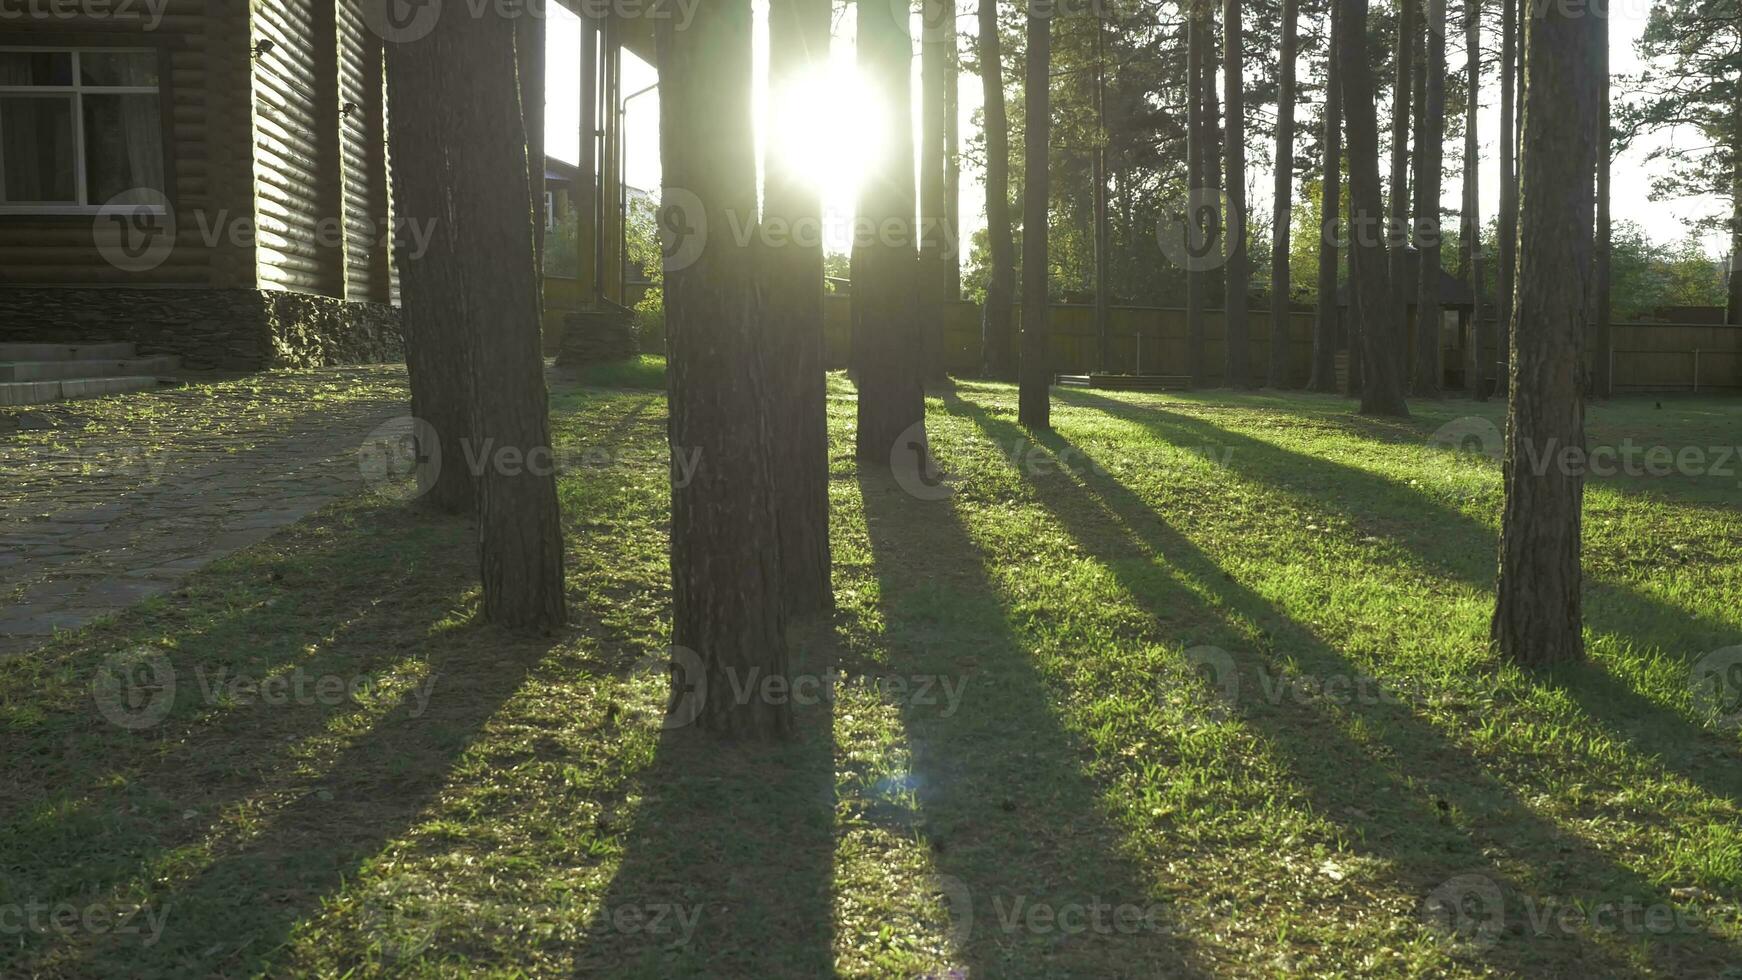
x=1195, y=686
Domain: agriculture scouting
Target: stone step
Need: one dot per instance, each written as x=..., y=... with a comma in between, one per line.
x=40, y=392
x=61, y=370
x=67, y=352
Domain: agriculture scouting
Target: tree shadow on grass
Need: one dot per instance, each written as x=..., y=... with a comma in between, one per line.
x=728, y=861
x=1419, y=802
x=1030, y=868
x=1453, y=545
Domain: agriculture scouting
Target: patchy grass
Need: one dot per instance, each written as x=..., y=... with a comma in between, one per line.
x=1193, y=686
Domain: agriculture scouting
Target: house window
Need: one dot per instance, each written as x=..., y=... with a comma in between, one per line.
x=79, y=129
x=550, y=216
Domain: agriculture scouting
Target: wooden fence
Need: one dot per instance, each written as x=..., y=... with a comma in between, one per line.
x=1152, y=340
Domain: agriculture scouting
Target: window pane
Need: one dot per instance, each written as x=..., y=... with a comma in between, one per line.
x=36, y=149
x=118, y=68
x=36, y=68
x=123, y=145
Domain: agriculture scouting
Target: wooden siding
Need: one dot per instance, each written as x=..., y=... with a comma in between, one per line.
x=298, y=188
x=364, y=157
x=201, y=98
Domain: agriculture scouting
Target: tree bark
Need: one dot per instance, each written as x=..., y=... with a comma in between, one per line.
x=798, y=44
x=1603, y=357
x=891, y=397
x=1282, y=213
x=1430, y=150
x=440, y=380
x=520, y=544
x=728, y=621
x=1034, y=396
x=1197, y=182
x=1508, y=217
x=1103, y=246
x=1538, y=616
x=1381, y=388
x=1472, y=226
x=1237, y=329
x=1733, y=310
x=937, y=18
x=1397, y=219
x=996, y=334
x=1324, y=375
x=529, y=55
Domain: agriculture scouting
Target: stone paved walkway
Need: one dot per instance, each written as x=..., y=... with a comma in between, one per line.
x=104, y=503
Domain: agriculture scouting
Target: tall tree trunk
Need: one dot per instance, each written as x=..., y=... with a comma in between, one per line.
x=1397, y=219
x=1508, y=217
x=1604, y=365
x=1381, y=388
x=1537, y=618
x=1733, y=309
x=996, y=331
x=891, y=398
x=1034, y=396
x=728, y=620
x=937, y=19
x=1237, y=329
x=1472, y=227
x=1430, y=151
x=953, y=162
x=798, y=45
x=1325, y=325
x=529, y=54
x=419, y=126
x=1197, y=182
x=1282, y=212
x=520, y=544
x=1103, y=247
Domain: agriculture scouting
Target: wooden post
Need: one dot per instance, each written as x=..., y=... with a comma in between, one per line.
x=586, y=193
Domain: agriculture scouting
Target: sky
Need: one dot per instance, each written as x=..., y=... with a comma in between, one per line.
x=835, y=153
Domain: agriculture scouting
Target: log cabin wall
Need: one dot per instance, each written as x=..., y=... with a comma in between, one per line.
x=299, y=188
x=202, y=50
x=362, y=132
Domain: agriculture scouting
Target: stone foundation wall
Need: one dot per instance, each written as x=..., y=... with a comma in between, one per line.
x=234, y=329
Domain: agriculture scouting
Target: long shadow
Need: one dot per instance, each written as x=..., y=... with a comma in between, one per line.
x=1426, y=808
x=144, y=780
x=1453, y=545
x=1004, y=801
x=728, y=863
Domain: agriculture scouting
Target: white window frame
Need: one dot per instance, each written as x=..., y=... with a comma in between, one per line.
x=75, y=93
